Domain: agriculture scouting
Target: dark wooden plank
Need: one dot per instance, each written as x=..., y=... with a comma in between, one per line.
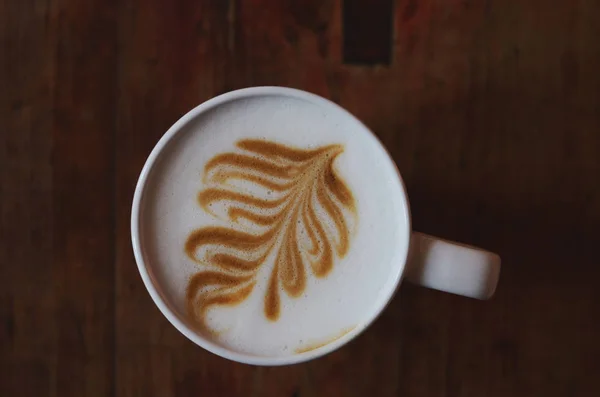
x=27, y=322
x=83, y=195
x=368, y=31
x=174, y=55
x=542, y=159
x=283, y=45
x=290, y=44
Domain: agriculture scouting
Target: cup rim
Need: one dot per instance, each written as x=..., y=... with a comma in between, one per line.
x=153, y=290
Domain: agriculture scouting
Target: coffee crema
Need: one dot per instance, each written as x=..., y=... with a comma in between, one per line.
x=301, y=218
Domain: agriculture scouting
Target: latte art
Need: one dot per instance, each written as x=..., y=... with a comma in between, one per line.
x=285, y=207
x=270, y=225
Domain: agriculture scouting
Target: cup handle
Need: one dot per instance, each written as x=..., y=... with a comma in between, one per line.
x=452, y=267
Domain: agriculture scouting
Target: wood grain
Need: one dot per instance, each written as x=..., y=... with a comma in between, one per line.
x=27, y=295
x=491, y=109
x=83, y=126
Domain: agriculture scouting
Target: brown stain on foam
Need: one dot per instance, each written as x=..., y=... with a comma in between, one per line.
x=314, y=346
x=284, y=224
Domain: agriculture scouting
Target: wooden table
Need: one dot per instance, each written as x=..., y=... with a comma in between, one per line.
x=491, y=110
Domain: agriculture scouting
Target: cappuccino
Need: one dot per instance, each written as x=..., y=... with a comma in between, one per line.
x=273, y=226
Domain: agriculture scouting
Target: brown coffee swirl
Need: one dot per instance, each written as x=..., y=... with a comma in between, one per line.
x=300, y=219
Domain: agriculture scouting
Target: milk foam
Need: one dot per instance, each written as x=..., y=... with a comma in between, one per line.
x=358, y=284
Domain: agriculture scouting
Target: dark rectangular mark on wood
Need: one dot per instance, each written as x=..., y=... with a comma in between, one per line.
x=368, y=31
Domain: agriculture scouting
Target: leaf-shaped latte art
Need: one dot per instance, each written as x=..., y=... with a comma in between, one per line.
x=286, y=207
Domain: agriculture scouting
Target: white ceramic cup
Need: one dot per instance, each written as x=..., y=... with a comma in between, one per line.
x=430, y=262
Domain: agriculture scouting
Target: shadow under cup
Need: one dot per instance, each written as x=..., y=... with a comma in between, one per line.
x=270, y=226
